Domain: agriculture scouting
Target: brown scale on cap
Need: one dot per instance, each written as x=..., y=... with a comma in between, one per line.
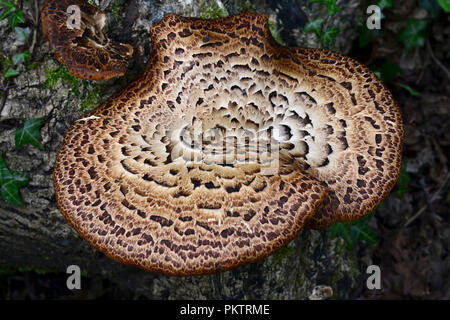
x=134, y=180
x=87, y=52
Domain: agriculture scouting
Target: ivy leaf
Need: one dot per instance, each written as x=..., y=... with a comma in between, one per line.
x=19, y=58
x=432, y=6
x=414, y=33
x=16, y=18
x=362, y=232
x=11, y=73
x=34, y=65
x=329, y=36
x=445, y=4
x=377, y=73
x=384, y=4
x=340, y=229
x=403, y=180
x=6, y=4
x=354, y=232
x=331, y=5
x=366, y=35
x=275, y=32
x=314, y=26
x=8, y=9
x=30, y=133
x=387, y=72
x=11, y=182
x=412, y=91
x=22, y=33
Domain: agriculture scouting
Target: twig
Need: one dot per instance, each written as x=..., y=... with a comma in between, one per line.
x=439, y=64
x=301, y=11
x=33, y=42
x=432, y=199
x=5, y=95
x=36, y=12
x=425, y=190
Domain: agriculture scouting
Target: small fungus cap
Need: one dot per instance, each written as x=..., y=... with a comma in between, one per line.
x=83, y=47
x=134, y=180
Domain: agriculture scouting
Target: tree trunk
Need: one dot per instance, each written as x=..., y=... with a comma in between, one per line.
x=36, y=235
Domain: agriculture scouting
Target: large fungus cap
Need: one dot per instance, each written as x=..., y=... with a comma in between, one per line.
x=165, y=175
x=86, y=51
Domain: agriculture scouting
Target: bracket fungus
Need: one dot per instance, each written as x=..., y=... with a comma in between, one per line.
x=75, y=30
x=167, y=176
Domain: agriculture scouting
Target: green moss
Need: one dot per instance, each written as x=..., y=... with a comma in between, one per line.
x=210, y=9
x=273, y=27
x=188, y=12
x=115, y=8
x=335, y=278
x=342, y=270
x=34, y=65
x=7, y=271
x=248, y=7
x=85, y=273
x=10, y=270
x=282, y=253
x=52, y=75
x=6, y=63
x=93, y=97
x=94, y=90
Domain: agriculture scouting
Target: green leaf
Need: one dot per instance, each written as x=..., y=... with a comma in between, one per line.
x=387, y=72
x=445, y=4
x=341, y=229
x=354, y=232
x=361, y=232
x=331, y=5
x=315, y=26
x=366, y=35
x=7, y=11
x=20, y=57
x=384, y=4
x=93, y=98
x=377, y=73
x=273, y=27
x=412, y=91
x=381, y=205
x=34, y=65
x=22, y=33
x=30, y=133
x=16, y=18
x=403, y=180
x=432, y=6
x=11, y=182
x=328, y=37
x=11, y=73
x=414, y=33
x=6, y=4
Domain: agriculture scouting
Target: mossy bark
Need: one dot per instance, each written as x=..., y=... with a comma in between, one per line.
x=38, y=236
